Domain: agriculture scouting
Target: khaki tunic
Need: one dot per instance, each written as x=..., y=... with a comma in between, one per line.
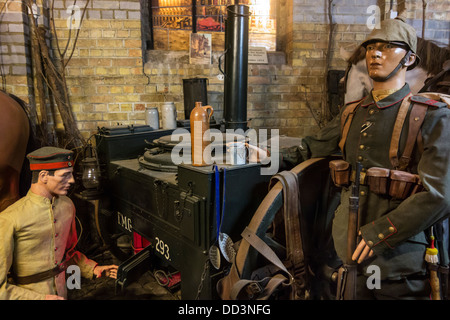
x=36, y=234
x=393, y=228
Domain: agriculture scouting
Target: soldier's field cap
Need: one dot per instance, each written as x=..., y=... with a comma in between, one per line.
x=395, y=30
x=50, y=158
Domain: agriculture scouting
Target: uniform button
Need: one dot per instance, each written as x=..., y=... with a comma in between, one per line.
x=369, y=243
x=381, y=236
x=361, y=147
x=391, y=229
x=371, y=111
x=363, y=193
x=364, y=134
x=360, y=158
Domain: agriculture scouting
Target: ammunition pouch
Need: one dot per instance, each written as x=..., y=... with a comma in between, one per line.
x=402, y=183
x=340, y=172
x=394, y=183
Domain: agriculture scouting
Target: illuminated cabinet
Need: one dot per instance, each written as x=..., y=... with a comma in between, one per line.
x=168, y=16
x=172, y=14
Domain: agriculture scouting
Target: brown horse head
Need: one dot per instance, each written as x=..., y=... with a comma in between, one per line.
x=14, y=137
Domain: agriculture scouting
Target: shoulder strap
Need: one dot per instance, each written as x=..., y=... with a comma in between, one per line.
x=434, y=99
x=416, y=118
x=420, y=104
x=398, y=126
x=346, y=120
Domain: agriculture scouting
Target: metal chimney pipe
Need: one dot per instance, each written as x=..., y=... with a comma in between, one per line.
x=236, y=67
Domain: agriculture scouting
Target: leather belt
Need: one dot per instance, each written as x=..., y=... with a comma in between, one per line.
x=41, y=276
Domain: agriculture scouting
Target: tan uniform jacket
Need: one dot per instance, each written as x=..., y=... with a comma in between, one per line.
x=36, y=234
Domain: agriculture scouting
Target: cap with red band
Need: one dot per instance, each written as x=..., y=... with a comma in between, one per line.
x=50, y=158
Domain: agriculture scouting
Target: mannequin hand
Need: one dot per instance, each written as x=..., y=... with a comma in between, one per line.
x=110, y=271
x=362, y=251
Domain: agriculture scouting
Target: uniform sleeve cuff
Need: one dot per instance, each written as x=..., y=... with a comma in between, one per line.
x=378, y=235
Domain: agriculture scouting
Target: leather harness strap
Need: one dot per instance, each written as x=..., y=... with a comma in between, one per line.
x=257, y=243
x=346, y=120
x=416, y=119
x=294, y=247
x=292, y=218
x=398, y=126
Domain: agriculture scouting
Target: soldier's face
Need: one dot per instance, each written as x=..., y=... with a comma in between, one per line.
x=59, y=184
x=382, y=58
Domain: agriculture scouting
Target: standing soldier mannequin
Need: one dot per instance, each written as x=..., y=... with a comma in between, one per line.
x=38, y=233
x=391, y=228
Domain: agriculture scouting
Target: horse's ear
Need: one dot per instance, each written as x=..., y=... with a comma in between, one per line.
x=345, y=54
x=401, y=15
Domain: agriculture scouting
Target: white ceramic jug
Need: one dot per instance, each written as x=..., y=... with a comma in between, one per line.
x=169, y=115
x=152, y=117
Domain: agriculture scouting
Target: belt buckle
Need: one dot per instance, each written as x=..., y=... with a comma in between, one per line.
x=62, y=266
x=253, y=289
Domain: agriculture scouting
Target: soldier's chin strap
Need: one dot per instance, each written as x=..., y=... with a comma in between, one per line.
x=400, y=65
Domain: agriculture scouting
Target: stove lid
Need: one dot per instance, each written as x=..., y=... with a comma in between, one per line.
x=183, y=140
x=157, y=162
x=159, y=157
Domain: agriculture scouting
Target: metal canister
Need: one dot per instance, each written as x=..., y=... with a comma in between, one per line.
x=169, y=115
x=152, y=117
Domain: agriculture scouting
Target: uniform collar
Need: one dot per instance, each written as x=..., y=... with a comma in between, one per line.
x=40, y=199
x=389, y=100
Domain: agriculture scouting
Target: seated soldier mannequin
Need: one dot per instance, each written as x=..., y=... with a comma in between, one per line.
x=38, y=233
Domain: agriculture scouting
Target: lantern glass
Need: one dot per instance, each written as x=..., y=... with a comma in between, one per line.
x=91, y=173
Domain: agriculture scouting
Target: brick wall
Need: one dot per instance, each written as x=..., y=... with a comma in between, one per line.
x=112, y=81
x=14, y=64
x=105, y=75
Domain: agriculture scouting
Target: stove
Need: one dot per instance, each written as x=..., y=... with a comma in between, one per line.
x=173, y=206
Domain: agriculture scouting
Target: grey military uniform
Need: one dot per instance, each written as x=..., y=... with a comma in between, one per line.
x=394, y=229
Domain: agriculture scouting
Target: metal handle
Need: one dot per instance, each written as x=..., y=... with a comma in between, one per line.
x=220, y=62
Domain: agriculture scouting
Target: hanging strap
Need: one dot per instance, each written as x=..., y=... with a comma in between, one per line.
x=294, y=247
x=264, y=249
x=292, y=218
x=398, y=126
x=416, y=119
x=346, y=120
x=260, y=289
